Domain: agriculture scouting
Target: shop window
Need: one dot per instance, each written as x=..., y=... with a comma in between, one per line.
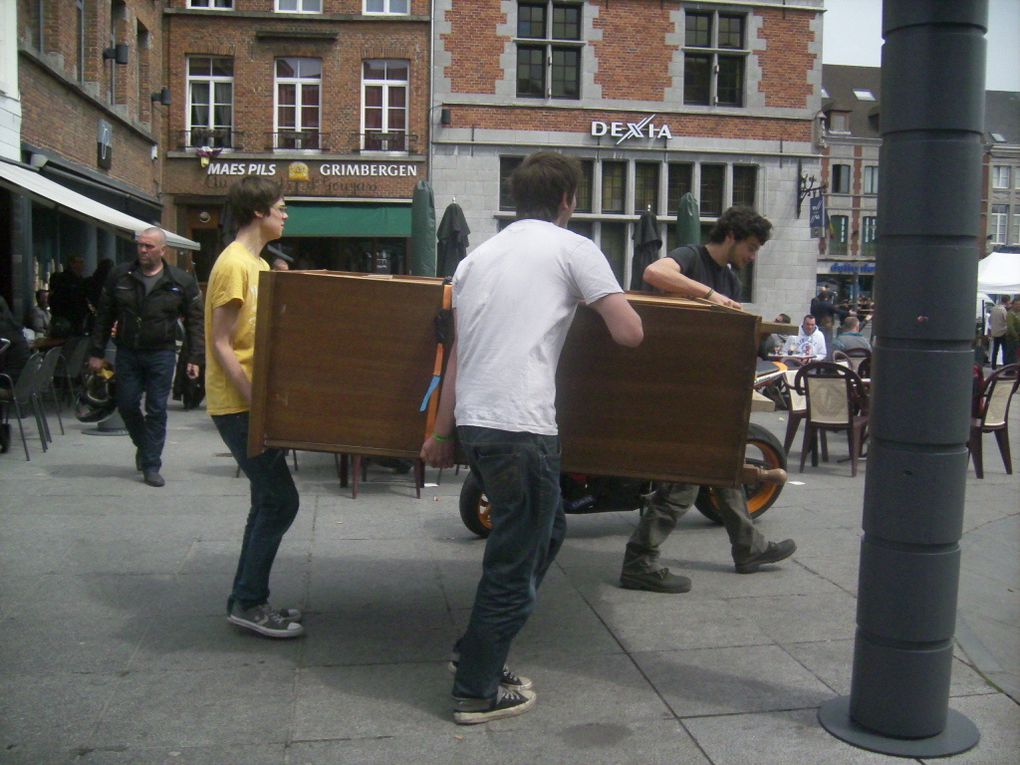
x=614, y=246
x=869, y=236
x=585, y=188
x=1000, y=177
x=549, y=50
x=714, y=58
x=507, y=165
x=210, y=102
x=299, y=6
x=384, y=105
x=678, y=183
x=999, y=220
x=871, y=179
x=298, y=104
x=614, y=186
x=840, y=179
x=712, y=189
x=839, y=228
x=745, y=185
x=388, y=7
x=646, y=187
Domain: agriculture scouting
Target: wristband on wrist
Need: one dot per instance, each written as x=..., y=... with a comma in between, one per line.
x=709, y=293
x=441, y=439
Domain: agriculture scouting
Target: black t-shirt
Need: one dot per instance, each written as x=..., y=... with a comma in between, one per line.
x=697, y=264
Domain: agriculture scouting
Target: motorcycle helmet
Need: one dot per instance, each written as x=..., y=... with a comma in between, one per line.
x=95, y=400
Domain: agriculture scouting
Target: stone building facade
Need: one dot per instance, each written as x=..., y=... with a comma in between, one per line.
x=655, y=99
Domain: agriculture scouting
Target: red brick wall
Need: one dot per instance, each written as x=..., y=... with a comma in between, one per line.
x=633, y=57
x=787, y=61
x=474, y=45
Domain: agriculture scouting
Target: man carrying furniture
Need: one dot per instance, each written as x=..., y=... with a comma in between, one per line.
x=514, y=299
x=706, y=272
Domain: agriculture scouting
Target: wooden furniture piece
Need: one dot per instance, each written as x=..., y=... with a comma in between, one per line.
x=992, y=408
x=342, y=362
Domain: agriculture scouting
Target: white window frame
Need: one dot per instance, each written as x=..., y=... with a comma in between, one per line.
x=1016, y=228
x=849, y=178
x=869, y=180
x=298, y=83
x=300, y=6
x=213, y=5
x=998, y=220
x=212, y=81
x=1000, y=176
x=386, y=84
x=387, y=8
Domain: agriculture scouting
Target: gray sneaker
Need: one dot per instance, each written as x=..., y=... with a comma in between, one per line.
x=289, y=614
x=265, y=621
x=506, y=704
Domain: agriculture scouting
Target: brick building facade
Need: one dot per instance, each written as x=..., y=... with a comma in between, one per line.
x=86, y=73
x=655, y=99
x=329, y=96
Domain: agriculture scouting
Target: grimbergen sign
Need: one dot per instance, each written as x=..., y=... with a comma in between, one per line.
x=299, y=170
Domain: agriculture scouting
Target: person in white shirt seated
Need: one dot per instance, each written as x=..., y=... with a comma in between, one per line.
x=809, y=341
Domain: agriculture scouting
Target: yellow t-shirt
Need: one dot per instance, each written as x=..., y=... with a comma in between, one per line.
x=234, y=276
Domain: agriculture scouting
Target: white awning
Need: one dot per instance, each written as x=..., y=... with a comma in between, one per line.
x=51, y=194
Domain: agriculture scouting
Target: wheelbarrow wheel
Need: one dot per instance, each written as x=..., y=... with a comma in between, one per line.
x=763, y=450
x=474, y=507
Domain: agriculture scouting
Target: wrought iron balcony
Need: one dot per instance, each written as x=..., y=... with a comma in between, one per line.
x=213, y=138
x=377, y=140
x=296, y=140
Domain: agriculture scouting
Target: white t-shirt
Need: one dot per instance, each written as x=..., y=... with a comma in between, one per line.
x=807, y=345
x=515, y=298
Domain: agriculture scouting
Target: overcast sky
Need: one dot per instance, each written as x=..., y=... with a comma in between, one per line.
x=853, y=35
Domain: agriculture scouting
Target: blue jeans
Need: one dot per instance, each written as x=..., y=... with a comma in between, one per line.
x=151, y=373
x=274, y=504
x=520, y=473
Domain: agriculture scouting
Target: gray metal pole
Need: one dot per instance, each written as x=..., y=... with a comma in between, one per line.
x=932, y=116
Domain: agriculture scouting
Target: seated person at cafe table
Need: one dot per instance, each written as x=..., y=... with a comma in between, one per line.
x=809, y=342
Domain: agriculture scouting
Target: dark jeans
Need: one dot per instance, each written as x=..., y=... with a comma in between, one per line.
x=999, y=346
x=274, y=503
x=151, y=373
x=520, y=473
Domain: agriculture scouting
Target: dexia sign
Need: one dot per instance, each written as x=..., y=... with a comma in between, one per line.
x=623, y=131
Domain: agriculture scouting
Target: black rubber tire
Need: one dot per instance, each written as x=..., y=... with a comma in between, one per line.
x=764, y=450
x=474, y=507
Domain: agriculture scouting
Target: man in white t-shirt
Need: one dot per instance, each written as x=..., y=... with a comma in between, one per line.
x=514, y=299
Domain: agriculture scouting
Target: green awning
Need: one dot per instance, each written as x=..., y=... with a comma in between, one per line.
x=343, y=219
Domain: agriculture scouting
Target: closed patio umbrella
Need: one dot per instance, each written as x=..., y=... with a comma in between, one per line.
x=647, y=243
x=423, y=231
x=688, y=223
x=453, y=239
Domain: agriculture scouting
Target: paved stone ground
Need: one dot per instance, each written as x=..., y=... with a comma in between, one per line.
x=114, y=647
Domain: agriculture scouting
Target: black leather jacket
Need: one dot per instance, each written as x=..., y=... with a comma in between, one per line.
x=149, y=322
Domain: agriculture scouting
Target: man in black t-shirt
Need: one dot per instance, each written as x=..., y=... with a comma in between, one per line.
x=706, y=272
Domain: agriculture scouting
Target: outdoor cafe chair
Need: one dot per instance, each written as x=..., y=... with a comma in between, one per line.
x=21, y=396
x=797, y=409
x=992, y=415
x=835, y=400
x=45, y=385
x=71, y=367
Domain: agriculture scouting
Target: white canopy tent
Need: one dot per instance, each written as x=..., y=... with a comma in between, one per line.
x=999, y=274
x=46, y=192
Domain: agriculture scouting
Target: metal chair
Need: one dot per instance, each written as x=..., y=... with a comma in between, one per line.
x=992, y=408
x=835, y=400
x=21, y=395
x=72, y=364
x=44, y=386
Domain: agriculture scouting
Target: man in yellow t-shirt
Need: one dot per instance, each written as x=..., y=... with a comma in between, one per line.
x=258, y=210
